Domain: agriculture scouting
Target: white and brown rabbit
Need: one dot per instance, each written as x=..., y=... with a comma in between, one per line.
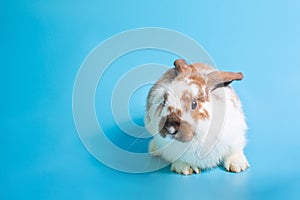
x=196, y=119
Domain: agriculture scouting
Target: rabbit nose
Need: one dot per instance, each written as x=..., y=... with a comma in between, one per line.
x=172, y=126
x=172, y=130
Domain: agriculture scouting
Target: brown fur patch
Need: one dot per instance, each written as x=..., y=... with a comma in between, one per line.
x=186, y=98
x=163, y=132
x=200, y=82
x=173, y=120
x=185, y=133
x=197, y=79
x=197, y=115
x=170, y=108
x=181, y=66
x=185, y=130
x=166, y=97
x=202, y=67
x=178, y=112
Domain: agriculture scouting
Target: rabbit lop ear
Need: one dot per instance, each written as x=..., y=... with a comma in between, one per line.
x=181, y=66
x=219, y=78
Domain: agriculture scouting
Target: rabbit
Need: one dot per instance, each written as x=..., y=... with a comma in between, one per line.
x=196, y=119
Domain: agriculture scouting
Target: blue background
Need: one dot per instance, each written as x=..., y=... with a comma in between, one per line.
x=43, y=44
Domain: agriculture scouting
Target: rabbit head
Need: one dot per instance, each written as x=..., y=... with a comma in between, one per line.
x=185, y=101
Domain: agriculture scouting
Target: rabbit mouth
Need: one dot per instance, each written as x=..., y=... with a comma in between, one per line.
x=177, y=135
x=169, y=131
x=172, y=135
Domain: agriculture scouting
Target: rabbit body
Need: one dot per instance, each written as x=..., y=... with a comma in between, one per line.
x=196, y=119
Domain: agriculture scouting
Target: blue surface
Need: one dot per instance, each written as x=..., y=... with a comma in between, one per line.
x=43, y=44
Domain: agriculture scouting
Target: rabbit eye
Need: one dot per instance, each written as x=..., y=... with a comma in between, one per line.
x=163, y=103
x=194, y=104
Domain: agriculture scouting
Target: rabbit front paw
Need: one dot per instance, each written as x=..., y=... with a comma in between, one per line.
x=236, y=162
x=184, y=168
